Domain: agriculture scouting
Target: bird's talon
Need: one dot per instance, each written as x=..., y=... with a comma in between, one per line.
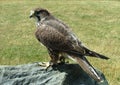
x=46, y=65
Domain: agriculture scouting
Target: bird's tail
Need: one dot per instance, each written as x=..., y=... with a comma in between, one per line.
x=88, y=68
x=94, y=54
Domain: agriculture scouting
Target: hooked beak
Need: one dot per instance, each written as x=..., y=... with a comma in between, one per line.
x=31, y=14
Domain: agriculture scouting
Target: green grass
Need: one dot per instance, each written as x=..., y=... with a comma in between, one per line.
x=96, y=23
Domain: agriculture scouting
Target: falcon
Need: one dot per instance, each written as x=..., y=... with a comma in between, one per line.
x=61, y=42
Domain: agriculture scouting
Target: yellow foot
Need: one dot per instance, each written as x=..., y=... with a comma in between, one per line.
x=45, y=64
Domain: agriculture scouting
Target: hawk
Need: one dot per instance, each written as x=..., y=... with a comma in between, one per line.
x=60, y=42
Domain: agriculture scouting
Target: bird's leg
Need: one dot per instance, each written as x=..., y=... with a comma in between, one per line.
x=62, y=58
x=54, y=59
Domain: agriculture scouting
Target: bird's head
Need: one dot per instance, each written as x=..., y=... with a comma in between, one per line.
x=39, y=14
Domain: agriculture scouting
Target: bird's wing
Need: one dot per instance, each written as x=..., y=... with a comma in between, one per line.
x=76, y=44
x=52, y=38
x=66, y=31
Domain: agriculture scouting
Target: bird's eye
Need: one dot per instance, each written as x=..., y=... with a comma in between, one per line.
x=37, y=12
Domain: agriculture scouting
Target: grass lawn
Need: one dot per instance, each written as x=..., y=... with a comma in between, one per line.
x=96, y=23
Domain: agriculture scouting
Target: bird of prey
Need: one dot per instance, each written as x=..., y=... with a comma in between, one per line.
x=60, y=41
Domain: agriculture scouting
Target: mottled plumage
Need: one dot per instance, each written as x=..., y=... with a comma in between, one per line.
x=60, y=41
